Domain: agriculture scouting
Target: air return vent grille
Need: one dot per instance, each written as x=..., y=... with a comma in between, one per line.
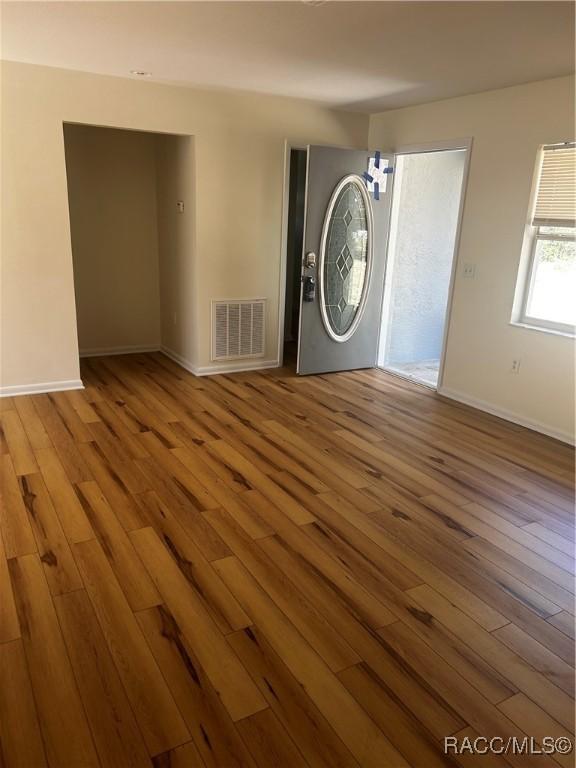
x=238, y=328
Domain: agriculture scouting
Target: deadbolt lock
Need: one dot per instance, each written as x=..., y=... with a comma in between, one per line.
x=310, y=260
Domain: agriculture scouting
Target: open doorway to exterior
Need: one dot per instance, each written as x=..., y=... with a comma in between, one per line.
x=294, y=239
x=426, y=210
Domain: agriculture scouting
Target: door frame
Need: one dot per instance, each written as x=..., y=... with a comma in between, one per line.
x=288, y=147
x=446, y=145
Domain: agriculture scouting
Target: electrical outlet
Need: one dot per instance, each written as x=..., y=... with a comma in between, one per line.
x=515, y=366
x=470, y=271
x=180, y=206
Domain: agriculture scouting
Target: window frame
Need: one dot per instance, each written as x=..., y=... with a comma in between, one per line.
x=529, y=320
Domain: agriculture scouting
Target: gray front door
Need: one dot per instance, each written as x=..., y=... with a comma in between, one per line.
x=344, y=254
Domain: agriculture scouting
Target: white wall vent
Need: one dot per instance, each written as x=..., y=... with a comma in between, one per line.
x=237, y=328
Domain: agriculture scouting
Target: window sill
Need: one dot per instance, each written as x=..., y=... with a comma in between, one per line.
x=542, y=329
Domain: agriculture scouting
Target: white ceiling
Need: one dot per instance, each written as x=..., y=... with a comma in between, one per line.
x=365, y=56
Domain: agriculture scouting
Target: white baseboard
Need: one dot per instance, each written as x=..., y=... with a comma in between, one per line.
x=37, y=389
x=106, y=351
x=502, y=413
x=208, y=370
x=215, y=368
x=238, y=367
x=186, y=364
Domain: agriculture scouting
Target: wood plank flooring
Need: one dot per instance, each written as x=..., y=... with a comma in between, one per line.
x=268, y=571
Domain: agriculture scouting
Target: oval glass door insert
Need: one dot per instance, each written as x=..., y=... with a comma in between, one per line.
x=345, y=258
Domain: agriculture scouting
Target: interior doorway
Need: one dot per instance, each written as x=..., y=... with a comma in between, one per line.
x=426, y=211
x=294, y=240
x=130, y=197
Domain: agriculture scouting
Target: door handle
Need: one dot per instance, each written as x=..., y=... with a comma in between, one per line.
x=309, y=292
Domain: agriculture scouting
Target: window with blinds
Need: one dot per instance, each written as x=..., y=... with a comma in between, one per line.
x=556, y=194
x=547, y=276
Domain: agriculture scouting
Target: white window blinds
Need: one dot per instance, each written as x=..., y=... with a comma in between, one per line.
x=556, y=197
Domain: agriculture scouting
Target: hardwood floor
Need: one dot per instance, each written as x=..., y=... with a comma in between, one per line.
x=264, y=570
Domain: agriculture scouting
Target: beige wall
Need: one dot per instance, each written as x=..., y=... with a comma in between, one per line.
x=176, y=241
x=507, y=127
x=236, y=210
x=112, y=201
x=239, y=159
